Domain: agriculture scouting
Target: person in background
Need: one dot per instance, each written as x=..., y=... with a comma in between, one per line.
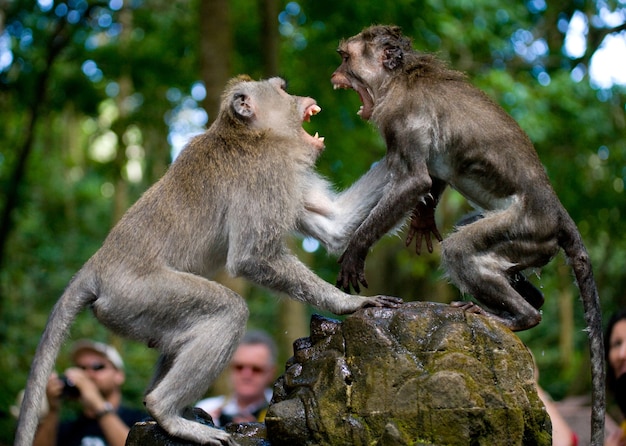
x=252, y=371
x=615, y=353
x=95, y=382
x=562, y=434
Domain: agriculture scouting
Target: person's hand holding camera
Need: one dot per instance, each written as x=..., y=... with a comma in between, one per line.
x=54, y=390
x=89, y=394
x=74, y=384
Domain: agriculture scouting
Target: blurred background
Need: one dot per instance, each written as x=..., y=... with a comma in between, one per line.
x=97, y=97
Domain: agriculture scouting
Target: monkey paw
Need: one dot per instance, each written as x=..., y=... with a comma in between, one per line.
x=352, y=272
x=382, y=301
x=470, y=307
x=422, y=226
x=231, y=442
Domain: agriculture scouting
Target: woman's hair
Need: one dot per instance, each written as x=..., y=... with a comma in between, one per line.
x=611, y=379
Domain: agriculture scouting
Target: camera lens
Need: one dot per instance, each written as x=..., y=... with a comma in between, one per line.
x=69, y=388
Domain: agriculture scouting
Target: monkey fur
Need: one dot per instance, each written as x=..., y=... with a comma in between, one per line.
x=228, y=200
x=439, y=131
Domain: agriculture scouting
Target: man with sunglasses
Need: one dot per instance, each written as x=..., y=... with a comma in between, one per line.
x=95, y=383
x=252, y=371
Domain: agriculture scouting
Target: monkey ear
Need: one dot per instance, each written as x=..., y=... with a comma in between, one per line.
x=242, y=106
x=392, y=57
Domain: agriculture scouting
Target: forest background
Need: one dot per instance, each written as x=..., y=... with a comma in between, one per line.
x=96, y=97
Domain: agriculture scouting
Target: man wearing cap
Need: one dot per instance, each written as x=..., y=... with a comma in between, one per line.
x=95, y=382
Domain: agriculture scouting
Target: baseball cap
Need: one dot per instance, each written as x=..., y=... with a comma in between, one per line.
x=101, y=348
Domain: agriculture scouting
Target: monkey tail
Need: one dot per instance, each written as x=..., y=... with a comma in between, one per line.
x=572, y=243
x=74, y=299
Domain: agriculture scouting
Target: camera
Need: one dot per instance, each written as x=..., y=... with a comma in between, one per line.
x=70, y=391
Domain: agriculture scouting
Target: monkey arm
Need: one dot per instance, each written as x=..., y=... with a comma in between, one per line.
x=284, y=272
x=398, y=198
x=332, y=218
x=423, y=218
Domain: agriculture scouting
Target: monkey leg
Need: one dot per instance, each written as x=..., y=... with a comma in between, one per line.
x=196, y=324
x=481, y=277
x=176, y=387
x=518, y=281
x=483, y=258
x=527, y=290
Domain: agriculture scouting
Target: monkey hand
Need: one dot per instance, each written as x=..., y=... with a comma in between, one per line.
x=350, y=304
x=382, y=301
x=352, y=271
x=422, y=225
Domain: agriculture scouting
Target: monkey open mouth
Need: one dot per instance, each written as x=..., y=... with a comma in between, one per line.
x=310, y=110
x=365, y=111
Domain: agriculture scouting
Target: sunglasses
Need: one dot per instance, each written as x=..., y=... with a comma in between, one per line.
x=94, y=367
x=254, y=368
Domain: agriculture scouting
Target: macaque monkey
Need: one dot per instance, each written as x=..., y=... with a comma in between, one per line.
x=441, y=130
x=228, y=200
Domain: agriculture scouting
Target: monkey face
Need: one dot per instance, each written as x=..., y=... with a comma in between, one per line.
x=368, y=60
x=266, y=106
x=354, y=72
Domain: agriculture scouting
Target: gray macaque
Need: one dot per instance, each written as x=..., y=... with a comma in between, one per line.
x=228, y=200
x=439, y=131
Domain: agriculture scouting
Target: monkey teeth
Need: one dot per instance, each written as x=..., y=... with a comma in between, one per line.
x=316, y=140
x=310, y=111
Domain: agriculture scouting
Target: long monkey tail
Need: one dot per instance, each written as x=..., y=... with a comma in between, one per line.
x=572, y=243
x=74, y=299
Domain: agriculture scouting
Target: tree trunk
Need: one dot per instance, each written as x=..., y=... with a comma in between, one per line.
x=216, y=47
x=269, y=36
x=125, y=82
x=58, y=41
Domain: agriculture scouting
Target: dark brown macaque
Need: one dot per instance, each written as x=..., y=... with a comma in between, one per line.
x=441, y=130
x=228, y=200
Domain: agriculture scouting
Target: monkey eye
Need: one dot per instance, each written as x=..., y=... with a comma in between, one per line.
x=278, y=83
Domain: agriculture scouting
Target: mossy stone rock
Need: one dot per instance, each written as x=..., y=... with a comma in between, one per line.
x=420, y=374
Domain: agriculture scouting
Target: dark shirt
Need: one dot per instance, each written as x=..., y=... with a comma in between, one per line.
x=259, y=415
x=85, y=431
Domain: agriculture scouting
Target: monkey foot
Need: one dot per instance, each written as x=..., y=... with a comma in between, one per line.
x=470, y=307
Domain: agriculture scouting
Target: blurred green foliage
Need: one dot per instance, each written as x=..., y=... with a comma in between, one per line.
x=91, y=140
